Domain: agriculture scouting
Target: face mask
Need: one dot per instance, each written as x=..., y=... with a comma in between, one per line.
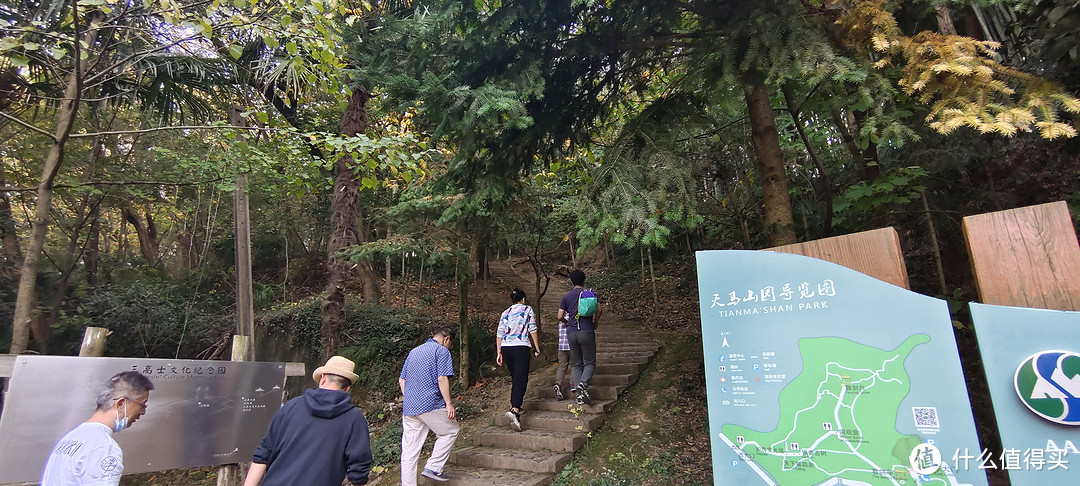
x=120, y=423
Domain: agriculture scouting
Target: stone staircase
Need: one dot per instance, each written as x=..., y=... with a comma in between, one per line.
x=552, y=430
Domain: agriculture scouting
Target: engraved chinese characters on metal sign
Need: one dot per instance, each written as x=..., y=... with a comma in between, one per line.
x=200, y=413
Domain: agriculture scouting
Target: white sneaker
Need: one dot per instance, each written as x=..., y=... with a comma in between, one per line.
x=428, y=473
x=515, y=422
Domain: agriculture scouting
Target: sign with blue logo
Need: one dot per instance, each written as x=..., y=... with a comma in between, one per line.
x=817, y=374
x=1032, y=363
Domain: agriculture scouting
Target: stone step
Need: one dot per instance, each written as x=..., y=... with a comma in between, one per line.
x=643, y=361
x=607, y=379
x=625, y=337
x=564, y=421
x=624, y=355
x=462, y=475
x=596, y=392
x=535, y=439
x=553, y=405
x=611, y=368
x=607, y=348
x=652, y=348
x=519, y=459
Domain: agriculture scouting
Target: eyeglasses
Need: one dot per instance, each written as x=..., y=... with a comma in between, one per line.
x=141, y=404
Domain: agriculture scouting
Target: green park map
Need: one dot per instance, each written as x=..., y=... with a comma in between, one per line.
x=837, y=419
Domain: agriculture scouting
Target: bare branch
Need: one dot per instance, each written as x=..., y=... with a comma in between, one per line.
x=28, y=126
x=113, y=183
x=161, y=129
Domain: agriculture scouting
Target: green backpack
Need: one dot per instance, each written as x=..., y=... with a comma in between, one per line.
x=586, y=304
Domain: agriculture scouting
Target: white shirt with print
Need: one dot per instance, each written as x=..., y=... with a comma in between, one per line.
x=86, y=456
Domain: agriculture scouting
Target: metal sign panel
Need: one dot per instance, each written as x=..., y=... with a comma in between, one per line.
x=201, y=413
x=820, y=375
x=1033, y=372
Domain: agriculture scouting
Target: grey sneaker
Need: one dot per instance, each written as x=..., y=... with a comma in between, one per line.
x=438, y=476
x=515, y=421
x=583, y=394
x=558, y=393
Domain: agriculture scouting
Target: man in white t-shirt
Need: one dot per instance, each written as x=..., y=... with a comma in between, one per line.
x=88, y=455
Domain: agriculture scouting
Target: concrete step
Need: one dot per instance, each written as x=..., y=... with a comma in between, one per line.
x=611, y=379
x=519, y=459
x=535, y=439
x=462, y=475
x=564, y=421
x=596, y=392
x=553, y=405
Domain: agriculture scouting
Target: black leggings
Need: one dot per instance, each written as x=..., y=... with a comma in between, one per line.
x=517, y=361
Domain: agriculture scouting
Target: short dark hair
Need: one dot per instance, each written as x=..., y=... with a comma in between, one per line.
x=444, y=331
x=517, y=295
x=338, y=380
x=577, y=277
x=126, y=384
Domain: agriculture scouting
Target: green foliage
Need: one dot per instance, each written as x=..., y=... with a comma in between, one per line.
x=154, y=316
x=377, y=338
x=481, y=343
x=386, y=442
x=892, y=189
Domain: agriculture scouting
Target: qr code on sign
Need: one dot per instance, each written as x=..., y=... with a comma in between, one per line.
x=926, y=417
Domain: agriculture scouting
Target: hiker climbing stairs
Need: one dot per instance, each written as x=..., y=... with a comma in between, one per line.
x=552, y=430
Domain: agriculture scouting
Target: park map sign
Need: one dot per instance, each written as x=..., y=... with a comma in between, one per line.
x=820, y=375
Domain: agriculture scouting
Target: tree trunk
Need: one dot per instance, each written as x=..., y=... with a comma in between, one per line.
x=824, y=189
x=779, y=223
x=463, y=323
x=652, y=278
x=848, y=138
x=149, y=243
x=66, y=264
x=368, y=278
x=387, y=292
x=539, y=274
x=641, y=255
x=944, y=20
x=9, y=240
x=65, y=120
x=343, y=216
x=481, y=255
x=871, y=167
x=573, y=254
x=937, y=248
x=92, y=257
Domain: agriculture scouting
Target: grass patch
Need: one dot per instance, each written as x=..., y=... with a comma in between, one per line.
x=658, y=433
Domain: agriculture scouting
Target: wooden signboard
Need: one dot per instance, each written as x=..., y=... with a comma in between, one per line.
x=875, y=253
x=1026, y=257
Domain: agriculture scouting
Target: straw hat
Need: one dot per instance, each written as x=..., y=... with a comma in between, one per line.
x=337, y=365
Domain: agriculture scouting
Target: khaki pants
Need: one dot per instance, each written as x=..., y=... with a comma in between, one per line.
x=414, y=431
x=562, y=370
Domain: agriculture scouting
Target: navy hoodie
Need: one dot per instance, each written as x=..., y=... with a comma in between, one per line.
x=316, y=439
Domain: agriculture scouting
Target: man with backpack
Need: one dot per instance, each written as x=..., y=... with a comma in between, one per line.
x=580, y=310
